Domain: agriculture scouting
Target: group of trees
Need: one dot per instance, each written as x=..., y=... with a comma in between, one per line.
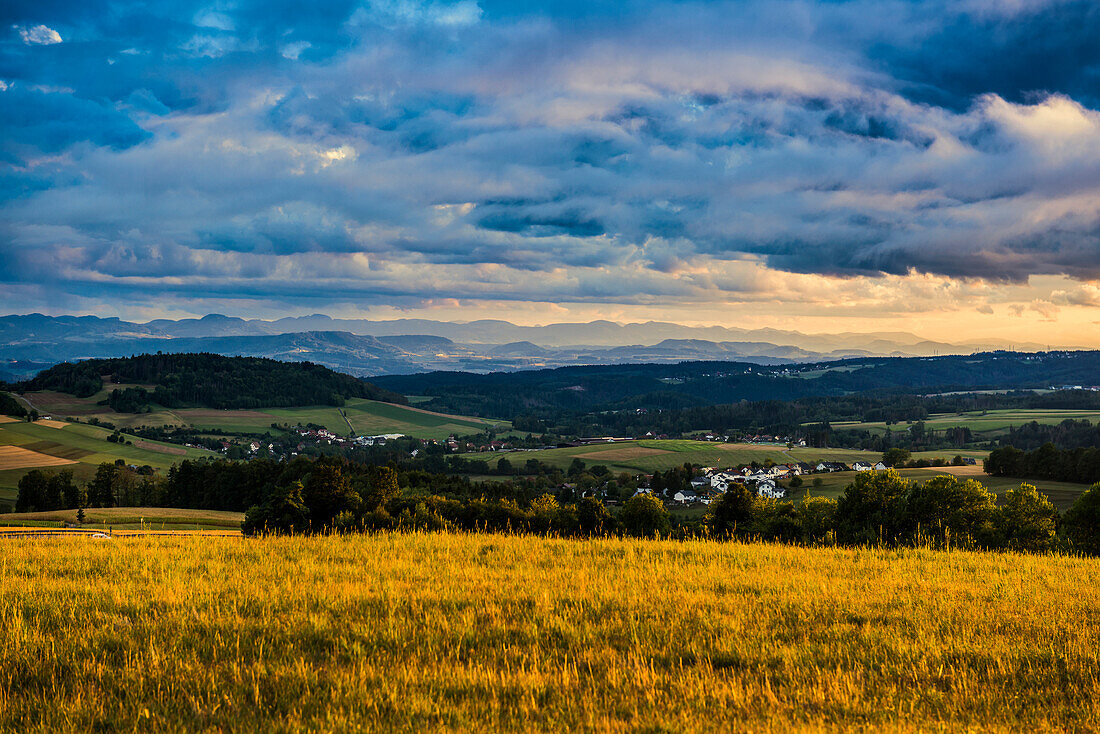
x=1081, y=464
x=11, y=406
x=207, y=380
x=1069, y=433
x=113, y=485
x=686, y=390
x=884, y=508
x=333, y=494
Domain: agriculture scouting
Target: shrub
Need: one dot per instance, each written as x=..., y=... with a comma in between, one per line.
x=945, y=510
x=284, y=512
x=644, y=516
x=731, y=512
x=872, y=508
x=817, y=518
x=1082, y=522
x=1026, y=522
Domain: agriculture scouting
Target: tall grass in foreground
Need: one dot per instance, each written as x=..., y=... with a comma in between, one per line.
x=467, y=632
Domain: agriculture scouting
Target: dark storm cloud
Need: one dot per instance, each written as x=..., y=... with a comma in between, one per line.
x=561, y=150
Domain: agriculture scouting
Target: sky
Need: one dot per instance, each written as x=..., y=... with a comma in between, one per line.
x=822, y=166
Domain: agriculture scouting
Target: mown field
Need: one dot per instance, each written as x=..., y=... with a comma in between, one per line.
x=75, y=446
x=985, y=423
x=650, y=455
x=466, y=633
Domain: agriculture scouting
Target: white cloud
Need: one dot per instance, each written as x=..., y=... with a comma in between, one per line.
x=293, y=50
x=39, y=35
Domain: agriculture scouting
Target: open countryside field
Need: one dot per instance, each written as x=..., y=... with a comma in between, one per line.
x=650, y=455
x=357, y=416
x=1062, y=494
x=433, y=632
x=988, y=423
x=362, y=417
x=131, y=518
x=76, y=446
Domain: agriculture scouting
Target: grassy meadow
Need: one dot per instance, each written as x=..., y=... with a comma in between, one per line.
x=445, y=632
x=649, y=455
x=1062, y=494
x=74, y=446
x=130, y=518
x=364, y=416
x=985, y=424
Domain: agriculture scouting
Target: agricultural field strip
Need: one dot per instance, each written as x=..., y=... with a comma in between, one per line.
x=993, y=420
x=17, y=457
x=88, y=445
x=669, y=453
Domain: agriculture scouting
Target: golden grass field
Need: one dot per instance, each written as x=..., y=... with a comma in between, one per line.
x=427, y=632
x=17, y=457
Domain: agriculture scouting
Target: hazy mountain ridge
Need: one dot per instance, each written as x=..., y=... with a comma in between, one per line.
x=404, y=346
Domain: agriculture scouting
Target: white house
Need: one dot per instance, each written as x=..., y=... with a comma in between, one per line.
x=881, y=467
x=721, y=482
x=862, y=466
x=769, y=489
x=684, y=497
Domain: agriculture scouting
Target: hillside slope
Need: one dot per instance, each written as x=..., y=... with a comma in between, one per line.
x=207, y=381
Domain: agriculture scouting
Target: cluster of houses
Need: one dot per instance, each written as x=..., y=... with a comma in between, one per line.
x=765, y=480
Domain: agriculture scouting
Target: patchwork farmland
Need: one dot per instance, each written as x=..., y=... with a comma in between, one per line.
x=647, y=455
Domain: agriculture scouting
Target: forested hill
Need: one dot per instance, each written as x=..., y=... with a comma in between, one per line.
x=209, y=381
x=650, y=386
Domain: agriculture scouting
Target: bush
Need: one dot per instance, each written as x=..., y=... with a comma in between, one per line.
x=732, y=512
x=1082, y=522
x=284, y=512
x=1026, y=522
x=593, y=517
x=872, y=508
x=644, y=516
x=817, y=518
x=775, y=520
x=945, y=510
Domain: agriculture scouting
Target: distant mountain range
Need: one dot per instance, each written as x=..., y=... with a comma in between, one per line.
x=362, y=347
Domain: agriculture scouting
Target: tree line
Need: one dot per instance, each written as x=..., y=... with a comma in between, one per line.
x=1081, y=464
x=333, y=494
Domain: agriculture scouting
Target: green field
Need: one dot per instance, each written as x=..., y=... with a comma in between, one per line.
x=1062, y=494
x=650, y=455
x=362, y=417
x=986, y=423
x=466, y=632
x=87, y=446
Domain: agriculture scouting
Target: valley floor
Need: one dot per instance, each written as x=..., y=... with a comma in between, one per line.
x=475, y=632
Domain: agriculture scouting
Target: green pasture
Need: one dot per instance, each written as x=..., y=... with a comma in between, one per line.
x=365, y=417
x=86, y=445
x=989, y=422
x=657, y=455
x=1062, y=494
x=131, y=518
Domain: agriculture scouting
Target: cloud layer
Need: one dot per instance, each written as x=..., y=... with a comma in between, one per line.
x=404, y=151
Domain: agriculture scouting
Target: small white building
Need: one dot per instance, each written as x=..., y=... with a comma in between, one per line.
x=769, y=489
